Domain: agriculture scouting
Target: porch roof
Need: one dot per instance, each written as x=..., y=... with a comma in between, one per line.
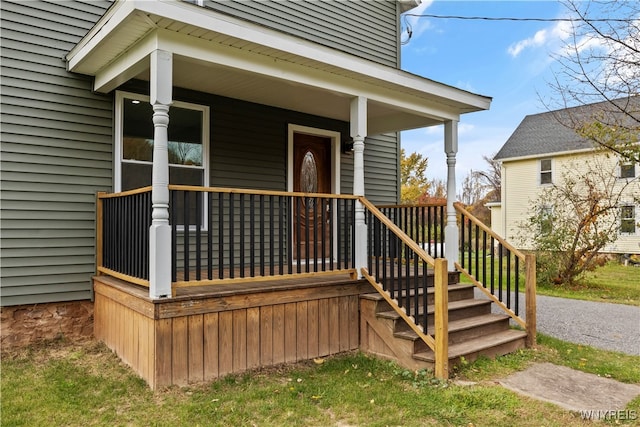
x=222, y=55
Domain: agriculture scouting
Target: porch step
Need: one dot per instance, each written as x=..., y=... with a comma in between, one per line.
x=496, y=344
x=462, y=330
x=457, y=292
x=461, y=309
x=472, y=329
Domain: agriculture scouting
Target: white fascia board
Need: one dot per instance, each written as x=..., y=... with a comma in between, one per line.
x=126, y=66
x=200, y=49
x=545, y=155
x=203, y=18
x=115, y=15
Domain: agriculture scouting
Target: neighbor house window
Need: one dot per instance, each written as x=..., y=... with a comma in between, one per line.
x=545, y=172
x=188, y=143
x=627, y=170
x=628, y=219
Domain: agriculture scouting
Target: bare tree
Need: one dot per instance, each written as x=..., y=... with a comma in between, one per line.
x=490, y=179
x=601, y=64
x=472, y=190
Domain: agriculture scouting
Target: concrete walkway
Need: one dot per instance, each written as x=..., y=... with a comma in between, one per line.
x=593, y=396
x=602, y=325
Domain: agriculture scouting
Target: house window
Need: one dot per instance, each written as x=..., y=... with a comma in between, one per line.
x=545, y=172
x=188, y=143
x=628, y=219
x=627, y=170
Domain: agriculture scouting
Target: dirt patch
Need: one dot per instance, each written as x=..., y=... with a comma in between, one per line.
x=26, y=325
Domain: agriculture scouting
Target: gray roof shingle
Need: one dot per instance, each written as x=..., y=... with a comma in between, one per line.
x=551, y=132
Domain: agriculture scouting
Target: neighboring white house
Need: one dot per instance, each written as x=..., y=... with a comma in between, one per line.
x=538, y=154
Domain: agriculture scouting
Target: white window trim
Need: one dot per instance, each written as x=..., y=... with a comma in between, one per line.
x=540, y=171
x=636, y=208
x=635, y=170
x=119, y=122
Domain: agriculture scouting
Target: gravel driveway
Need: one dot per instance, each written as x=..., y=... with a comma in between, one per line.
x=603, y=325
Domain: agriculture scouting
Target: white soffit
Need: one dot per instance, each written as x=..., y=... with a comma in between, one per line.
x=250, y=62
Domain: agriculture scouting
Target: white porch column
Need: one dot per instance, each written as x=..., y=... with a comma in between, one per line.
x=358, y=133
x=160, y=231
x=451, y=233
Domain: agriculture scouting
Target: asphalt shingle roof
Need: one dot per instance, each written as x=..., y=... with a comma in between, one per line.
x=551, y=132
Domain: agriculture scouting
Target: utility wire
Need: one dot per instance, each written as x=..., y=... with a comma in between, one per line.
x=489, y=18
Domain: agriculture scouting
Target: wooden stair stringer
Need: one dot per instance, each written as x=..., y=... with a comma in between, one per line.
x=377, y=336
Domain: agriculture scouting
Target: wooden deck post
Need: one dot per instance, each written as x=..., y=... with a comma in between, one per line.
x=160, y=232
x=441, y=283
x=530, y=295
x=451, y=233
x=358, y=133
x=99, y=231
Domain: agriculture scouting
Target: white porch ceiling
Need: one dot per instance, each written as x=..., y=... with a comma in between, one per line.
x=217, y=54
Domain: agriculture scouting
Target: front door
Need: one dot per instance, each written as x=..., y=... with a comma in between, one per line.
x=311, y=174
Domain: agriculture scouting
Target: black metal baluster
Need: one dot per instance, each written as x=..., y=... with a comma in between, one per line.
x=185, y=235
x=352, y=203
x=331, y=232
x=289, y=240
x=252, y=235
x=339, y=233
x=221, y=235
x=484, y=258
x=198, y=254
x=210, y=235
x=314, y=247
x=232, y=236
x=508, y=278
x=242, y=225
x=282, y=205
x=271, y=237
x=323, y=232
x=174, y=236
x=493, y=265
x=500, y=272
x=262, y=235
x=516, y=291
x=298, y=234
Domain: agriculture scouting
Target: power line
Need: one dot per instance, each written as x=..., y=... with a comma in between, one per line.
x=489, y=18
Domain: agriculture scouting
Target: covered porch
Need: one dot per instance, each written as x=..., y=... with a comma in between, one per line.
x=205, y=277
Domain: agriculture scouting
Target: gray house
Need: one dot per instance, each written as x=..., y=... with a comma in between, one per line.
x=207, y=173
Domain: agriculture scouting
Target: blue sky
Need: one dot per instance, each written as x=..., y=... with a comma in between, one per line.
x=506, y=60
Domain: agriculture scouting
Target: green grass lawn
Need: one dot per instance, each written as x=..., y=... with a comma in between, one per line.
x=613, y=283
x=82, y=385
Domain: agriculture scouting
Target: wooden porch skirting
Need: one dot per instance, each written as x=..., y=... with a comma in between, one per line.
x=208, y=332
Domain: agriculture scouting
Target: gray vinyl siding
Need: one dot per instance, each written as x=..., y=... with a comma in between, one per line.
x=368, y=29
x=56, y=153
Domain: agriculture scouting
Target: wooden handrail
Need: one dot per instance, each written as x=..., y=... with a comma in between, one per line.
x=529, y=323
x=260, y=192
x=102, y=195
x=418, y=205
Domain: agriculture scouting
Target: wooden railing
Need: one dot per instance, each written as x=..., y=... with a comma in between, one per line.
x=222, y=234
x=398, y=269
x=424, y=223
x=122, y=235
x=499, y=270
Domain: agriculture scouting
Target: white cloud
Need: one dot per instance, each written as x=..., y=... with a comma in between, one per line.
x=545, y=37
